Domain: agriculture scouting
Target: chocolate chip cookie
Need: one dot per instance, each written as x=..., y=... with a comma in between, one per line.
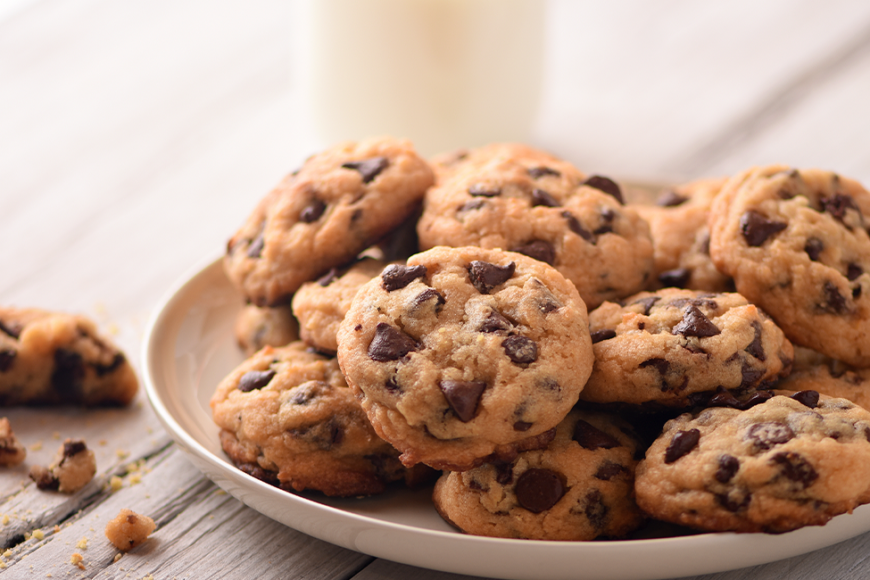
x=53, y=358
x=287, y=418
x=519, y=199
x=321, y=306
x=340, y=202
x=678, y=223
x=258, y=326
x=797, y=244
x=579, y=488
x=783, y=464
x=466, y=354
x=73, y=468
x=668, y=346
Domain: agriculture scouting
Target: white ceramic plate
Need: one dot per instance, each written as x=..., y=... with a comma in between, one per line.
x=190, y=347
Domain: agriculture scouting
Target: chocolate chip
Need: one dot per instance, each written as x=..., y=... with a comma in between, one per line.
x=853, y=271
x=606, y=185
x=69, y=370
x=117, y=361
x=750, y=376
x=7, y=357
x=312, y=212
x=728, y=466
x=463, y=397
x=471, y=205
x=522, y=426
x=255, y=250
x=755, y=399
x=807, y=398
x=520, y=350
x=574, y=226
x=390, y=343
x=835, y=301
x=539, y=250
x=838, y=204
x=647, y=303
x=368, y=168
x=74, y=447
x=595, y=510
x=392, y=384
x=485, y=276
x=677, y=278
x=607, y=217
x=605, y=334
x=43, y=478
x=255, y=380
x=541, y=197
x=755, y=347
x=756, y=228
x=12, y=330
x=682, y=443
x=671, y=199
x=538, y=172
x=592, y=438
x=608, y=470
x=257, y=472
x=307, y=392
x=694, y=323
x=766, y=435
x=659, y=364
x=504, y=472
x=814, y=248
x=328, y=278
x=795, y=468
x=495, y=322
x=735, y=500
x=482, y=190
x=427, y=295
x=538, y=490
x=396, y=276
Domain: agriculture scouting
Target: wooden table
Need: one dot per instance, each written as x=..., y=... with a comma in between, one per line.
x=135, y=137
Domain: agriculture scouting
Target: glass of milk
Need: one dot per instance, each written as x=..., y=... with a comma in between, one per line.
x=444, y=73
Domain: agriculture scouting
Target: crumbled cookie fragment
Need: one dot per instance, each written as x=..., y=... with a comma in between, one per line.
x=72, y=469
x=129, y=529
x=12, y=453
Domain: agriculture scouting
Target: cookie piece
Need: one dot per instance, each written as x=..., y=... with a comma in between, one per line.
x=579, y=488
x=52, y=358
x=780, y=465
x=321, y=306
x=73, y=468
x=129, y=529
x=681, y=238
x=257, y=327
x=339, y=203
x=463, y=354
x=288, y=418
x=12, y=452
x=670, y=345
x=520, y=199
x=796, y=243
x=816, y=372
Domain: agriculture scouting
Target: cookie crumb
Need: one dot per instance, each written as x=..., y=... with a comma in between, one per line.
x=117, y=557
x=115, y=483
x=12, y=453
x=73, y=467
x=77, y=560
x=82, y=544
x=36, y=446
x=129, y=529
x=38, y=534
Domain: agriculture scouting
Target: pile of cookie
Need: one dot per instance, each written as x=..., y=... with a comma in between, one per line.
x=567, y=364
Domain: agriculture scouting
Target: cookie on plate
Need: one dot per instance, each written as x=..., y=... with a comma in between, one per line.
x=288, y=418
x=579, y=488
x=777, y=466
x=51, y=358
x=668, y=346
x=339, y=203
x=466, y=354
x=678, y=223
x=796, y=243
x=320, y=306
x=523, y=200
x=258, y=326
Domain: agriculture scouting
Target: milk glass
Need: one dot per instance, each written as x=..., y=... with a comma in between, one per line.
x=443, y=73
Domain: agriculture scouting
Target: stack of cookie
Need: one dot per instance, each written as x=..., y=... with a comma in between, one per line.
x=574, y=364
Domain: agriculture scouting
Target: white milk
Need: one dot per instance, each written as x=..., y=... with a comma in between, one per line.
x=443, y=73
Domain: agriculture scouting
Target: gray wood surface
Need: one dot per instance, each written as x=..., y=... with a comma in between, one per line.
x=135, y=136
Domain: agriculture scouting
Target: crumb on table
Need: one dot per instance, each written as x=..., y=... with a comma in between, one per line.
x=129, y=529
